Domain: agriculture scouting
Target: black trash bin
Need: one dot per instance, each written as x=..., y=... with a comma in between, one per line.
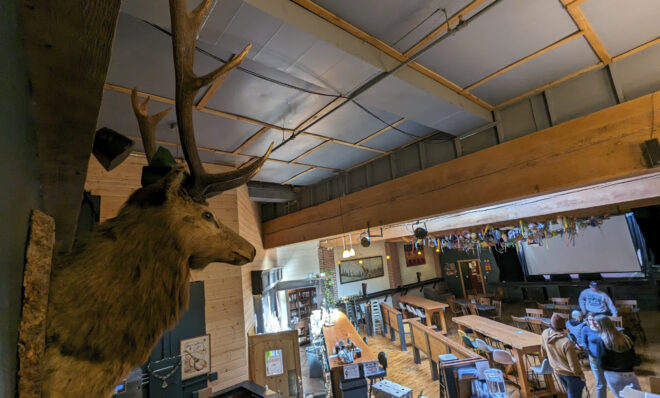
x=314, y=363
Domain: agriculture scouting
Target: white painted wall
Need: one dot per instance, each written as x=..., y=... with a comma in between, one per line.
x=409, y=274
x=298, y=260
x=374, y=284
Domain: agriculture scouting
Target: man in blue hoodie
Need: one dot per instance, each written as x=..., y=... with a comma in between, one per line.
x=595, y=301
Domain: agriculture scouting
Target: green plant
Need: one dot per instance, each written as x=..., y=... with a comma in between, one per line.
x=328, y=282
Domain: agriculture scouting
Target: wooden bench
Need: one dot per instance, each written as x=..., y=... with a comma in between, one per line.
x=433, y=343
x=394, y=321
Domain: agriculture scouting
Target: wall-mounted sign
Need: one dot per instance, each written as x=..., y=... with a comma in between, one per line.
x=195, y=356
x=370, y=368
x=274, y=363
x=351, y=371
x=414, y=255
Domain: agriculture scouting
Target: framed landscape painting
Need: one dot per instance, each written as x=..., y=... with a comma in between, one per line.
x=360, y=269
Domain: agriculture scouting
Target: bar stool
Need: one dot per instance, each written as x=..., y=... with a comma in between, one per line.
x=382, y=370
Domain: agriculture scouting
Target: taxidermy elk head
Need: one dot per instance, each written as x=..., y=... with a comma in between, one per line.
x=113, y=297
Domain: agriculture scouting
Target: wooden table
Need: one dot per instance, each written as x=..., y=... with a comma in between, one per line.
x=480, y=306
x=430, y=307
x=343, y=330
x=522, y=341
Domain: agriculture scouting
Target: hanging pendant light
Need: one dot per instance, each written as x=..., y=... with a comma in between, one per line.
x=345, y=253
x=350, y=240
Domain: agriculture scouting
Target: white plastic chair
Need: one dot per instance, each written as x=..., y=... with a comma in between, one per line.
x=483, y=346
x=629, y=392
x=503, y=357
x=419, y=313
x=546, y=369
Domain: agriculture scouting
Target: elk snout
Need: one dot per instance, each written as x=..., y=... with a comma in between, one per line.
x=244, y=254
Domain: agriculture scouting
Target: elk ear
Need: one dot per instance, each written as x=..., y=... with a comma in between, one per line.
x=173, y=182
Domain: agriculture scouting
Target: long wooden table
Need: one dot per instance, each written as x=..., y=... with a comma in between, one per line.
x=522, y=341
x=430, y=307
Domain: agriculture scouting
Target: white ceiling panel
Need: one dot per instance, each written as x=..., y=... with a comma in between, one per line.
x=400, y=98
x=278, y=172
x=459, y=122
x=507, y=32
x=352, y=124
x=556, y=63
x=312, y=177
x=394, y=21
x=389, y=140
x=288, y=151
x=338, y=156
x=623, y=24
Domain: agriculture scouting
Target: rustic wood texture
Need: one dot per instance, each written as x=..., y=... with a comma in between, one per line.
x=286, y=341
x=228, y=300
x=36, y=284
x=59, y=38
x=602, y=146
x=517, y=338
x=341, y=330
x=430, y=307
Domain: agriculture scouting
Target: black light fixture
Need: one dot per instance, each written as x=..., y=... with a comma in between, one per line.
x=365, y=237
x=420, y=231
x=111, y=148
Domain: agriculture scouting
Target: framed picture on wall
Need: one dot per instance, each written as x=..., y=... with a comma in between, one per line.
x=361, y=269
x=195, y=356
x=414, y=255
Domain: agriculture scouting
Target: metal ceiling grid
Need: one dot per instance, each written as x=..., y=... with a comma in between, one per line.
x=394, y=21
x=485, y=46
x=337, y=156
x=622, y=25
x=556, y=63
x=638, y=74
x=278, y=172
x=352, y=124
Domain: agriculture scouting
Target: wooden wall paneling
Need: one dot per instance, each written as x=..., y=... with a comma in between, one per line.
x=588, y=150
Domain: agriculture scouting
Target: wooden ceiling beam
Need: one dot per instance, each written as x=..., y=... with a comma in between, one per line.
x=453, y=20
x=637, y=49
x=525, y=59
x=319, y=22
x=250, y=140
x=67, y=52
x=298, y=175
x=600, y=147
x=381, y=131
x=583, y=24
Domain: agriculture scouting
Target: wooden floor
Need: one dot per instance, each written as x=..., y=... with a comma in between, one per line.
x=402, y=369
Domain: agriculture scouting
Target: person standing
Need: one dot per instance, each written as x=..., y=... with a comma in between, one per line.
x=616, y=356
x=574, y=326
x=562, y=355
x=596, y=301
x=590, y=340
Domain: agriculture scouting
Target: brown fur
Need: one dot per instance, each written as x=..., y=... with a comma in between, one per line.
x=111, y=300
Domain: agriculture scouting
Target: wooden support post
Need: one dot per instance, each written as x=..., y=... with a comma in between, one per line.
x=36, y=285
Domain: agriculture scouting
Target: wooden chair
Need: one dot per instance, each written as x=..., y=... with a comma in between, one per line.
x=545, y=324
x=617, y=321
x=535, y=325
x=473, y=309
x=626, y=303
x=497, y=315
x=499, y=294
x=563, y=309
x=565, y=316
x=520, y=323
x=456, y=309
x=632, y=321
x=484, y=300
x=534, y=313
x=471, y=297
x=559, y=300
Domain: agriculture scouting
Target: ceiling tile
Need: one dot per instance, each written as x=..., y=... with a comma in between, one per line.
x=278, y=172
x=623, y=25
x=487, y=43
x=557, y=63
x=388, y=140
x=338, y=156
x=312, y=177
x=639, y=74
x=351, y=123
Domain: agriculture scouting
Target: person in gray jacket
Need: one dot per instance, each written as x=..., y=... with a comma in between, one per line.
x=595, y=301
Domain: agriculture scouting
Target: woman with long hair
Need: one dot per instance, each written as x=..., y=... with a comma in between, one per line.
x=590, y=340
x=616, y=356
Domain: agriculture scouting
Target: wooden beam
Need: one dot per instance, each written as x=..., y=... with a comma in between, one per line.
x=298, y=175
x=525, y=59
x=314, y=20
x=322, y=112
x=602, y=146
x=581, y=21
x=453, y=20
x=211, y=90
x=67, y=50
x=307, y=152
x=637, y=49
x=545, y=86
x=250, y=140
x=381, y=131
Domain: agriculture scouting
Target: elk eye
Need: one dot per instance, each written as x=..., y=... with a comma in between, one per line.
x=207, y=216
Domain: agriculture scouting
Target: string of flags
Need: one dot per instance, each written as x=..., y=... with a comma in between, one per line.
x=502, y=238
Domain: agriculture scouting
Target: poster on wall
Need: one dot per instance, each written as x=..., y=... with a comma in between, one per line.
x=450, y=269
x=360, y=269
x=274, y=363
x=195, y=356
x=414, y=255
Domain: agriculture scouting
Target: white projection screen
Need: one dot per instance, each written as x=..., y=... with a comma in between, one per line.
x=605, y=249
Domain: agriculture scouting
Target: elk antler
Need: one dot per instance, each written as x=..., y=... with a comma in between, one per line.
x=147, y=124
x=185, y=27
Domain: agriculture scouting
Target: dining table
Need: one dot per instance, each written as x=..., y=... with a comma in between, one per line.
x=430, y=308
x=522, y=342
x=480, y=306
